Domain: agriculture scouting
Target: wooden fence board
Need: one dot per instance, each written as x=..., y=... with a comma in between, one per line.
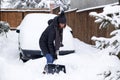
x=71, y=18
x=13, y=18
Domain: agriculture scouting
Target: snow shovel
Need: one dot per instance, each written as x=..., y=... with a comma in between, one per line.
x=54, y=68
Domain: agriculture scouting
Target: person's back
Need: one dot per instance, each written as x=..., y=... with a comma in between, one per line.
x=47, y=37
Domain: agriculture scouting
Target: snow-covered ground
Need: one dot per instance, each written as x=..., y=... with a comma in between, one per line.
x=87, y=63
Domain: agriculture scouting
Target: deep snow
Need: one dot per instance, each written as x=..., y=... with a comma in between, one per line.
x=87, y=63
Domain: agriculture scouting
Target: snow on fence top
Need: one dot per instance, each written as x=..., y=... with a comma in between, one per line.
x=71, y=10
x=25, y=10
x=97, y=7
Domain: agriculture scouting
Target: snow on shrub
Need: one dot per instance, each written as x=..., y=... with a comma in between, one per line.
x=4, y=27
x=110, y=15
x=111, y=46
x=64, y=4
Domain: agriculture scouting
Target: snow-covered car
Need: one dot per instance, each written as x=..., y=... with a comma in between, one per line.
x=30, y=31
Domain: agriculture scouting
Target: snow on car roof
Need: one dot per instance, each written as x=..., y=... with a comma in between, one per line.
x=32, y=27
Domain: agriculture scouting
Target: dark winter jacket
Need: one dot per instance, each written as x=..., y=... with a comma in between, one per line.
x=51, y=38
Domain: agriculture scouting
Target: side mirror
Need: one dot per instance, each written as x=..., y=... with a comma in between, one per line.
x=17, y=31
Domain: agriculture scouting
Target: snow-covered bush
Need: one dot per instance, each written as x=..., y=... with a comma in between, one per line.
x=4, y=27
x=111, y=46
x=8, y=3
x=25, y=4
x=110, y=75
x=110, y=15
x=64, y=4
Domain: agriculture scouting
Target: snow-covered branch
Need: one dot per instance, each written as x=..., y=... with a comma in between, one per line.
x=113, y=44
x=18, y=4
x=4, y=27
x=110, y=15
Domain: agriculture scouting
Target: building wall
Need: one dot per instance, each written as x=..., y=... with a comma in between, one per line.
x=82, y=4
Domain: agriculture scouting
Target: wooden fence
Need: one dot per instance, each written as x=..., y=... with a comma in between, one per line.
x=82, y=24
x=14, y=17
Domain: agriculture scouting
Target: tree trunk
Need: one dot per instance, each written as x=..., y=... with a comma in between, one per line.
x=118, y=55
x=119, y=2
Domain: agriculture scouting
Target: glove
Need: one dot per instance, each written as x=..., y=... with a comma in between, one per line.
x=56, y=54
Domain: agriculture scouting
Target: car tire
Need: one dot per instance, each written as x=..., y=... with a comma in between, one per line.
x=23, y=58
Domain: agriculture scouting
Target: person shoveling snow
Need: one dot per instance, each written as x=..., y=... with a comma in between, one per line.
x=54, y=32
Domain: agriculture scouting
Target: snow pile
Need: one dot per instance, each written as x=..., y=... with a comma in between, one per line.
x=34, y=31
x=9, y=46
x=85, y=64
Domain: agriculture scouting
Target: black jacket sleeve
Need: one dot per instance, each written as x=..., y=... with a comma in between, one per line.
x=51, y=38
